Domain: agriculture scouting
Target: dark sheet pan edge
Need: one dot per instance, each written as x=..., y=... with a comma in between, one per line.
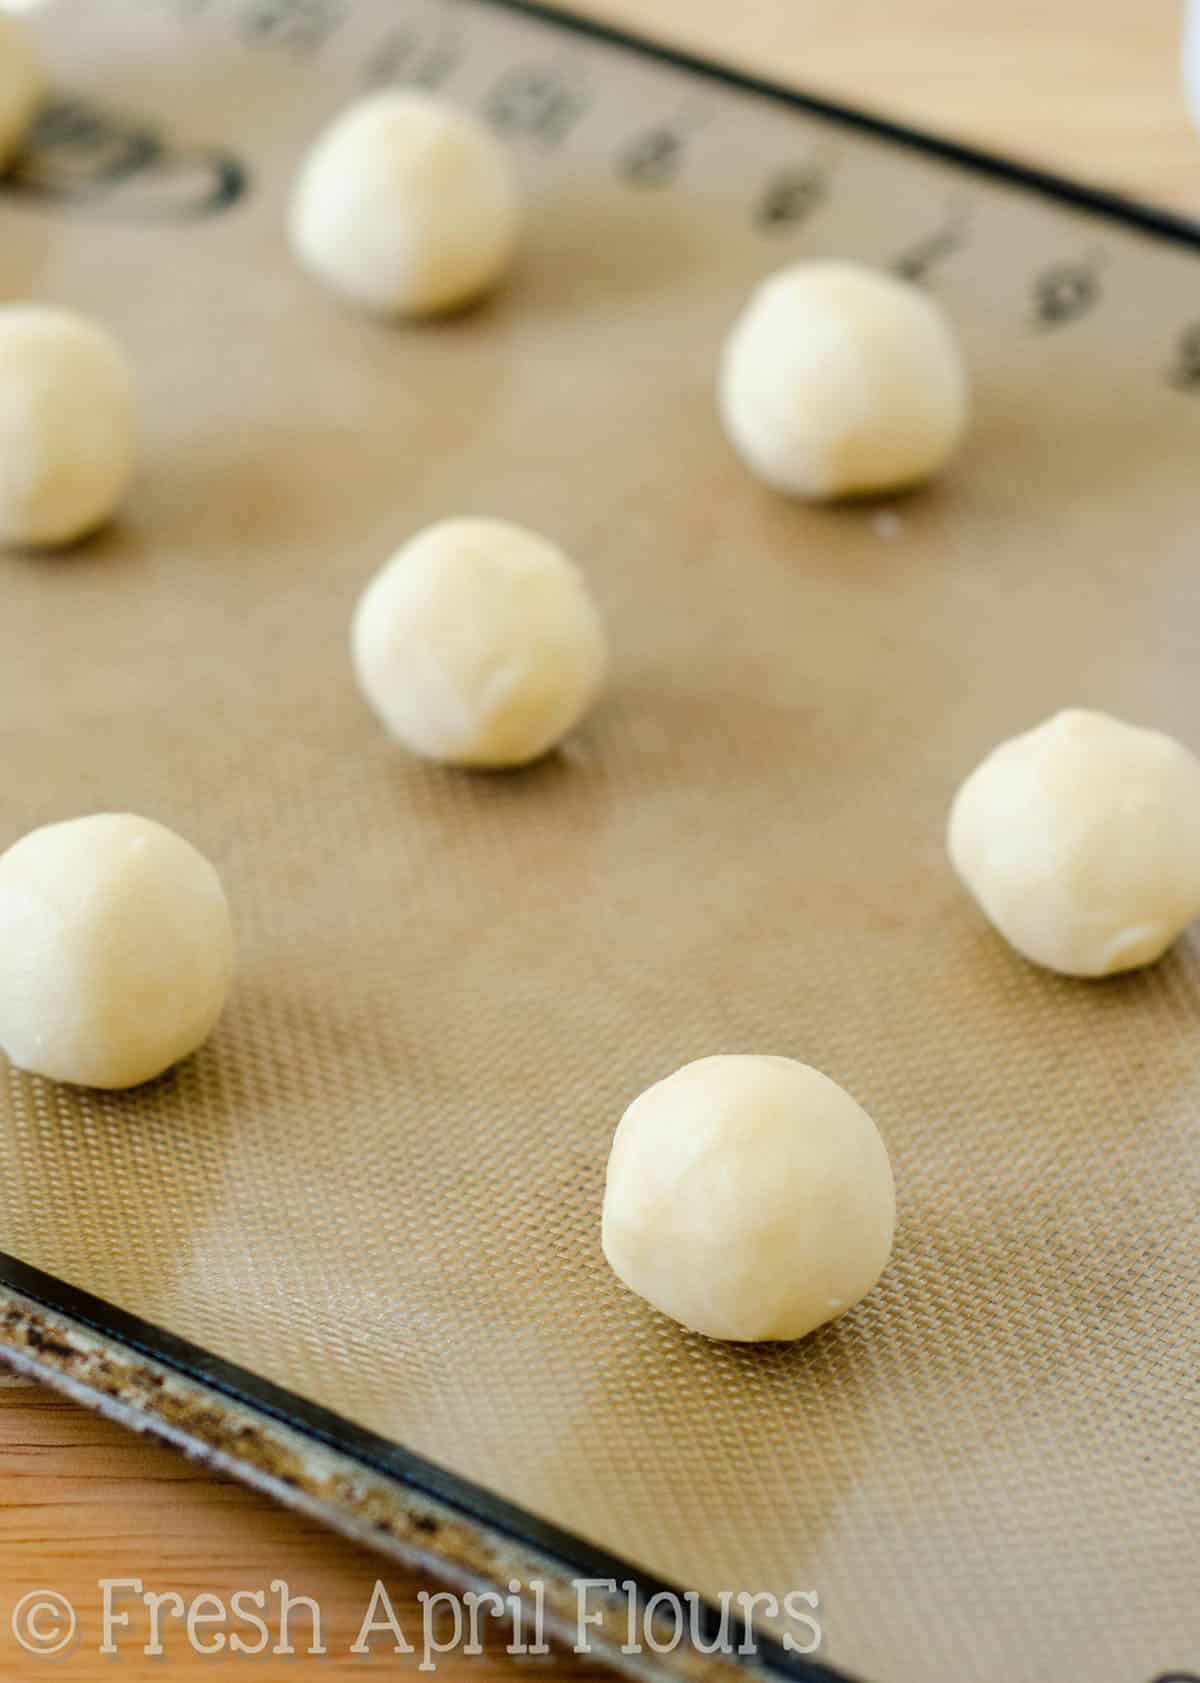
x=370, y=1489
x=1119, y=207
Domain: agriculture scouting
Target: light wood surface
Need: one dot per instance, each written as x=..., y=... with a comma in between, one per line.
x=1090, y=87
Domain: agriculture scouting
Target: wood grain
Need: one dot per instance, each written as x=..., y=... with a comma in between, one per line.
x=1090, y=87
x=84, y=1501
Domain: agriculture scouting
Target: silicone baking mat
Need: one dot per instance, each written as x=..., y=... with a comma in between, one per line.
x=351, y=1249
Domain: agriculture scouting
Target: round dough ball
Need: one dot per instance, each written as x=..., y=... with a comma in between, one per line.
x=838, y=380
x=22, y=84
x=68, y=425
x=406, y=205
x=1081, y=842
x=116, y=950
x=749, y=1198
x=478, y=644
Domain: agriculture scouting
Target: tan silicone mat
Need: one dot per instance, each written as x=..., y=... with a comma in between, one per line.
x=379, y=1185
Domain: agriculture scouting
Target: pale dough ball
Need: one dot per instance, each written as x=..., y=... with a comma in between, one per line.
x=68, y=425
x=749, y=1198
x=116, y=950
x=1081, y=842
x=22, y=85
x=406, y=205
x=838, y=380
x=478, y=644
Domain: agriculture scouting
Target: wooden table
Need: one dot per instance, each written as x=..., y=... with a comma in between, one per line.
x=1089, y=87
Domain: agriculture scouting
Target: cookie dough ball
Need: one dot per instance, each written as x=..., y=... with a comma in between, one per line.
x=22, y=85
x=116, y=951
x=478, y=644
x=1081, y=842
x=406, y=205
x=838, y=380
x=68, y=425
x=749, y=1198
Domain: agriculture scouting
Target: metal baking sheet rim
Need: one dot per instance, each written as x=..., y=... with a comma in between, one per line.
x=309, y=1459
x=372, y=1491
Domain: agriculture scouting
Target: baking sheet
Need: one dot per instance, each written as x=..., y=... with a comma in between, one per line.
x=379, y=1186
